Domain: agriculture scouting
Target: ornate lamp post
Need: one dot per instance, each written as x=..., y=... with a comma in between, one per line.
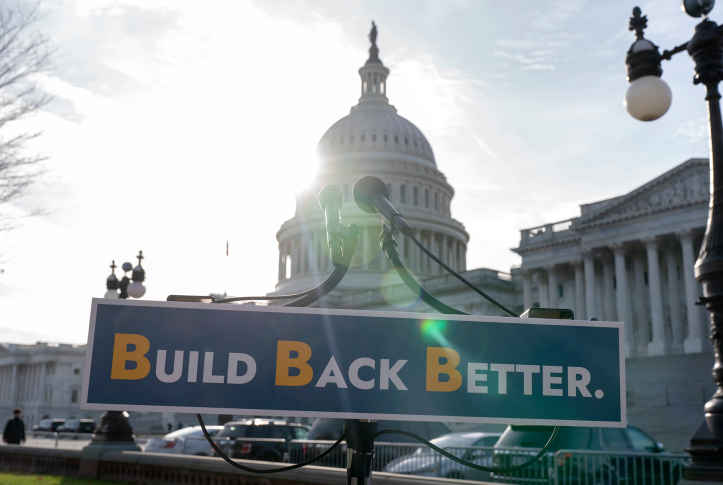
x=647, y=99
x=115, y=432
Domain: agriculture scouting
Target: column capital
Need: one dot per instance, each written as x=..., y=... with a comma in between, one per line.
x=618, y=248
x=685, y=234
x=576, y=263
x=606, y=257
x=586, y=253
x=526, y=272
x=550, y=267
x=650, y=241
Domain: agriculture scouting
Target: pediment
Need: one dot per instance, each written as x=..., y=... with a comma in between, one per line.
x=685, y=185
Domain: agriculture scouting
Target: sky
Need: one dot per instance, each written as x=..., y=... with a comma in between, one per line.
x=177, y=126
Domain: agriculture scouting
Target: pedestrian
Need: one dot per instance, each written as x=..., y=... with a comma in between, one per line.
x=180, y=425
x=14, y=432
x=170, y=427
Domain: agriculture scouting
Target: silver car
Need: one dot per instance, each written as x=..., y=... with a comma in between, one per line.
x=186, y=441
x=427, y=462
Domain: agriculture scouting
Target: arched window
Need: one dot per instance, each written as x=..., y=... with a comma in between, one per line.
x=403, y=194
x=396, y=139
x=406, y=141
x=385, y=138
x=415, y=200
x=415, y=143
x=426, y=199
x=362, y=139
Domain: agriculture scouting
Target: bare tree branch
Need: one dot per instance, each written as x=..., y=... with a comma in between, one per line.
x=24, y=53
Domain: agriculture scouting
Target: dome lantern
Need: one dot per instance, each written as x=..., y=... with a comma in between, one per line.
x=373, y=73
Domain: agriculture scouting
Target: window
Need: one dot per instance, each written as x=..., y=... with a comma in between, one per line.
x=560, y=291
x=76, y=372
x=406, y=141
x=362, y=138
x=301, y=433
x=403, y=194
x=615, y=283
x=415, y=143
x=678, y=269
x=414, y=196
x=385, y=138
x=640, y=441
x=74, y=396
x=374, y=137
x=613, y=439
x=646, y=278
x=426, y=199
x=396, y=139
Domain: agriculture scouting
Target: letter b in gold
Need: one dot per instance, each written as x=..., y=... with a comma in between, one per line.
x=121, y=355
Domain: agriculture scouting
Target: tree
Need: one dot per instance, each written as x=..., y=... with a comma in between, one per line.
x=24, y=53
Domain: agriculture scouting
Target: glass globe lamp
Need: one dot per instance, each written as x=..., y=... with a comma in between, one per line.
x=648, y=98
x=111, y=294
x=136, y=289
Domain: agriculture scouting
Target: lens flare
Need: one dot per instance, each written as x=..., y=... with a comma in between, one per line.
x=434, y=330
x=396, y=293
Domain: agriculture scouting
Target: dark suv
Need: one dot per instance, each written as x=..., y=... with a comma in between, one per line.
x=259, y=439
x=609, y=456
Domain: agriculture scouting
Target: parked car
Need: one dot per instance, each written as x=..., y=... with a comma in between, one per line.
x=46, y=426
x=427, y=462
x=258, y=439
x=629, y=459
x=77, y=426
x=186, y=441
x=331, y=430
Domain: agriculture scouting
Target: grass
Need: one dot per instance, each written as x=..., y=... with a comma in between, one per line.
x=21, y=479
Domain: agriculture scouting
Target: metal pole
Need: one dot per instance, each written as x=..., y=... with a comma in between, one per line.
x=706, y=445
x=360, y=450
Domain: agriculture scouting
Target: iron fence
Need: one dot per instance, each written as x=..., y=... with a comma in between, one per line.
x=576, y=467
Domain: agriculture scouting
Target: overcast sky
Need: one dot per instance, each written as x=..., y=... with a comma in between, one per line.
x=179, y=125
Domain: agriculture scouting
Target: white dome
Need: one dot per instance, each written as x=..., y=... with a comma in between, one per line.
x=376, y=127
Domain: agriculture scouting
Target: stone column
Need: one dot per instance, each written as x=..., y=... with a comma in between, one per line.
x=455, y=256
x=621, y=298
x=609, y=287
x=294, y=260
x=552, y=286
x=282, y=257
x=13, y=385
x=579, y=289
x=658, y=345
x=693, y=344
x=676, y=322
x=641, y=302
x=526, y=289
x=464, y=258
x=589, y=264
x=542, y=284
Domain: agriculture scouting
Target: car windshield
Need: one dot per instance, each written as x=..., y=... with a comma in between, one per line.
x=233, y=431
x=538, y=436
x=183, y=433
x=446, y=442
x=72, y=423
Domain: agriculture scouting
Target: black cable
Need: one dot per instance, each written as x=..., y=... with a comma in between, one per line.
x=279, y=297
x=460, y=278
x=272, y=470
x=470, y=464
x=389, y=247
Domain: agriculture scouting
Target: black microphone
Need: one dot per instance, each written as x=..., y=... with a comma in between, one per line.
x=372, y=196
x=330, y=200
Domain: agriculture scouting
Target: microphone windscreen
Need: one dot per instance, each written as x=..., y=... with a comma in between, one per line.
x=330, y=193
x=365, y=189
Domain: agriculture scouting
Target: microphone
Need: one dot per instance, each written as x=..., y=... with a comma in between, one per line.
x=330, y=200
x=371, y=195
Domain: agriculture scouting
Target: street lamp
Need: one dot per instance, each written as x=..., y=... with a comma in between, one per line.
x=134, y=289
x=647, y=99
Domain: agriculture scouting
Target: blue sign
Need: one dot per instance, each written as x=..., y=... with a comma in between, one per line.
x=271, y=361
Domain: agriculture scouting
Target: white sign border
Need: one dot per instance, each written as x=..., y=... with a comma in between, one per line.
x=85, y=405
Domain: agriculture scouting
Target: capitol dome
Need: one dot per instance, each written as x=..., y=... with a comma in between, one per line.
x=372, y=140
